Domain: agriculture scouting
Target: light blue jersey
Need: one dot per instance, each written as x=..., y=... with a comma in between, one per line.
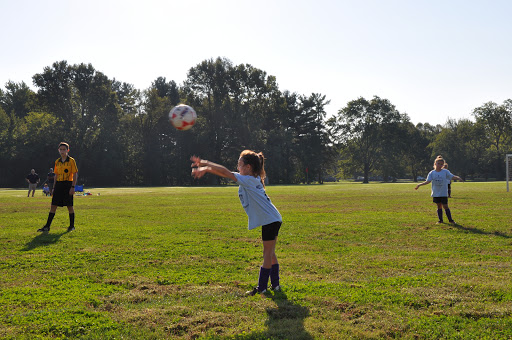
x=255, y=201
x=440, y=181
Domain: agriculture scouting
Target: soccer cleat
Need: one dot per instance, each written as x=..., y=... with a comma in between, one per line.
x=255, y=291
x=452, y=222
x=70, y=228
x=276, y=288
x=439, y=222
x=44, y=229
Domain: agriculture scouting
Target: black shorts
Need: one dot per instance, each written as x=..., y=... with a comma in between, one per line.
x=443, y=200
x=61, y=196
x=270, y=231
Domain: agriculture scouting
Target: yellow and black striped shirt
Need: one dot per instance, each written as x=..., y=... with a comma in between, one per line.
x=64, y=171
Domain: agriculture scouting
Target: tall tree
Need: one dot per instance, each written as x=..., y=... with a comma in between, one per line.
x=206, y=88
x=461, y=143
x=418, y=150
x=497, y=120
x=312, y=138
x=360, y=128
x=17, y=99
x=83, y=100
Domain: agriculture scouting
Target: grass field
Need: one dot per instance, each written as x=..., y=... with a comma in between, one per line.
x=357, y=261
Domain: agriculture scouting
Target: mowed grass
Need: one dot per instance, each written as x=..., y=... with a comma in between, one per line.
x=357, y=261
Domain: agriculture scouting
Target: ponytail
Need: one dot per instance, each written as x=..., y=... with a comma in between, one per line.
x=257, y=163
x=262, y=173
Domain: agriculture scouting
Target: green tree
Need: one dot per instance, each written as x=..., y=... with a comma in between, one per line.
x=311, y=136
x=360, y=128
x=206, y=88
x=17, y=98
x=417, y=149
x=234, y=104
x=6, y=147
x=462, y=144
x=497, y=121
x=285, y=164
x=88, y=109
x=167, y=89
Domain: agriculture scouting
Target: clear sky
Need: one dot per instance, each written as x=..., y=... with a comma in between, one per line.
x=433, y=59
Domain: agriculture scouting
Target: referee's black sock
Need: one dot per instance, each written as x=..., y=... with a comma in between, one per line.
x=50, y=219
x=72, y=219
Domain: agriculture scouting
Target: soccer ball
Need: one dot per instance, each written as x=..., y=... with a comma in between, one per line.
x=182, y=117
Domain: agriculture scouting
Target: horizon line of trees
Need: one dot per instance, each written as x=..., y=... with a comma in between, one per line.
x=121, y=136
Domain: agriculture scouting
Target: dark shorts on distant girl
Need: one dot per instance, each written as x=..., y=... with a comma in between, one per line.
x=442, y=200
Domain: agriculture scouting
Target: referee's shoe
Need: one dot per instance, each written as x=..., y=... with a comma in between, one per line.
x=44, y=229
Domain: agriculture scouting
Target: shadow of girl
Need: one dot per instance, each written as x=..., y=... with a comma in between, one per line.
x=286, y=321
x=482, y=232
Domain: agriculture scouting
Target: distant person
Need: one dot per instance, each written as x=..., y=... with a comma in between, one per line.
x=440, y=178
x=46, y=190
x=66, y=175
x=445, y=166
x=257, y=205
x=32, y=180
x=50, y=178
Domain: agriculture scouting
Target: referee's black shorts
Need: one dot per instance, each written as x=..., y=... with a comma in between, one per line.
x=61, y=196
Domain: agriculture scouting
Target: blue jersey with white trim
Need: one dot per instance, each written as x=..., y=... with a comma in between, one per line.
x=256, y=203
x=440, y=181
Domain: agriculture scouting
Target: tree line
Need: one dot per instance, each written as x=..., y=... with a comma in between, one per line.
x=121, y=136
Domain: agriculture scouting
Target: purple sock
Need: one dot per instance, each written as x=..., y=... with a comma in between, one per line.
x=274, y=275
x=449, y=214
x=263, y=279
x=440, y=214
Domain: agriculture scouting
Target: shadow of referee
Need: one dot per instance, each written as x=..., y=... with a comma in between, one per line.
x=42, y=240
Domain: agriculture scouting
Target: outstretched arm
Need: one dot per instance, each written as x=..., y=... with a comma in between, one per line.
x=424, y=183
x=458, y=178
x=201, y=166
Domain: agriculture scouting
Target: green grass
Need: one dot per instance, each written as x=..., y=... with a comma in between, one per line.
x=357, y=261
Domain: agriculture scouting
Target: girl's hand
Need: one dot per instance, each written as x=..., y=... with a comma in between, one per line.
x=199, y=172
x=71, y=191
x=196, y=161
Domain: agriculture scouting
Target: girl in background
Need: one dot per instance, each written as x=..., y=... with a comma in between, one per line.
x=445, y=166
x=440, y=178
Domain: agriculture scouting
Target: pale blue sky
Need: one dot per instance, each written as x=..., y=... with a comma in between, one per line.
x=432, y=59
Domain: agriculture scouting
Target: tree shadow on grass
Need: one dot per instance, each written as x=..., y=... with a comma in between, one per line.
x=42, y=240
x=481, y=232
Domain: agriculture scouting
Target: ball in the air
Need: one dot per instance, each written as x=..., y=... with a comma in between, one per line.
x=182, y=117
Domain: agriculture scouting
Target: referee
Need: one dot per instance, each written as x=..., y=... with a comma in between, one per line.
x=66, y=174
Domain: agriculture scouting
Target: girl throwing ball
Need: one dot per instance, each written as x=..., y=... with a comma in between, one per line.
x=260, y=210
